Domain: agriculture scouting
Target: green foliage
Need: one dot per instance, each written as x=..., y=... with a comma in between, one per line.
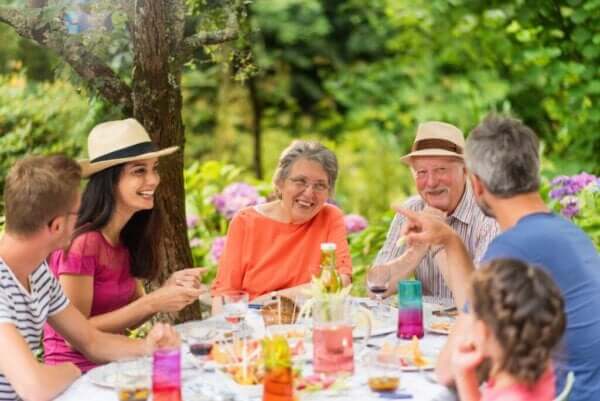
x=364, y=247
x=588, y=217
x=41, y=118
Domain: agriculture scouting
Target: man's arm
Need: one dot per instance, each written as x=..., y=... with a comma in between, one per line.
x=422, y=228
x=404, y=265
x=31, y=379
x=408, y=258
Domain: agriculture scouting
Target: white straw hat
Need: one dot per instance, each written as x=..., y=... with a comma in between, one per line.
x=436, y=138
x=117, y=142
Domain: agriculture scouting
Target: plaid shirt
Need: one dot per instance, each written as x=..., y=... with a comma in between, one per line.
x=469, y=222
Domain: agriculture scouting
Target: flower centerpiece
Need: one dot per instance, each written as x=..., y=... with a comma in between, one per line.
x=578, y=199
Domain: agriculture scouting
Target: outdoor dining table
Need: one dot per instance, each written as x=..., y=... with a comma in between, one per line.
x=210, y=384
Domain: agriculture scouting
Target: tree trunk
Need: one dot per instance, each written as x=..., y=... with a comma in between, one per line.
x=157, y=104
x=257, y=112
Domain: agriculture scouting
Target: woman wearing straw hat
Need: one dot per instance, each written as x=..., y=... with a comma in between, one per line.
x=112, y=249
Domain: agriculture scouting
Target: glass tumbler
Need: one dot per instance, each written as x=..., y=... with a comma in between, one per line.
x=410, y=309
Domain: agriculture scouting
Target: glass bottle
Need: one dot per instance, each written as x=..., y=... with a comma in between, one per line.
x=329, y=276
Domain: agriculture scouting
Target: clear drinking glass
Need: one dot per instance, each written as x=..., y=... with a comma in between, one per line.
x=133, y=380
x=235, y=307
x=382, y=376
x=378, y=282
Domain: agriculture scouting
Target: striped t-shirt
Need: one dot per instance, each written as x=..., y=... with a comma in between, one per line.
x=469, y=222
x=28, y=311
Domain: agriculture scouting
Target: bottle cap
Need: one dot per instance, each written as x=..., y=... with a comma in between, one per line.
x=328, y=246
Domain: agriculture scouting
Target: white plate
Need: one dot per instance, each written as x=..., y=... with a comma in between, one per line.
x=104, y=376
x=431, y=358
x=429, y=366
x=437, y=330
x=250, y=391
x=380, y=327
x=107, y=375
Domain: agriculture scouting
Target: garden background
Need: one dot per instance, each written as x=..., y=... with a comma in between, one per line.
x=358, y=76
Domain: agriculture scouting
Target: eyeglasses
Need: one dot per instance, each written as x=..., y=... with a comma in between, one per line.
x=302, y=184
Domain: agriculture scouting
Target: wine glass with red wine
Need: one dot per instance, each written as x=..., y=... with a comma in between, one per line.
x=378, y=282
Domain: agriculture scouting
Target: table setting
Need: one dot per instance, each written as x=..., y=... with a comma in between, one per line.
x=351, y=354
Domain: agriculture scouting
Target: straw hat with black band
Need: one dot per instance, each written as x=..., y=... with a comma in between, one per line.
x=435, y=138
x=117, y=142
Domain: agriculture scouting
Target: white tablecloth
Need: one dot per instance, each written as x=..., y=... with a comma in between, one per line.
x=419, y=384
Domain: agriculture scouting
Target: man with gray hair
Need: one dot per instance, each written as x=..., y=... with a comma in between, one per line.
x=438, y=168
x=503, y=163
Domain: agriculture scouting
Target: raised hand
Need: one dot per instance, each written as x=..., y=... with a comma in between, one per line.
x=173, y=298
x=190, y=277
x=466, y=356
x=425, y=228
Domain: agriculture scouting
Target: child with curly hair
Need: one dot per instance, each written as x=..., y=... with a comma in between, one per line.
x=516, y=322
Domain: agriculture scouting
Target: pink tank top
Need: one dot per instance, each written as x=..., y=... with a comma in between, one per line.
x=114, y=287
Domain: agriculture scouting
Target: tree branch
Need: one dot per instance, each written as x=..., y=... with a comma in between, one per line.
x=194, y=42
x=89, y=67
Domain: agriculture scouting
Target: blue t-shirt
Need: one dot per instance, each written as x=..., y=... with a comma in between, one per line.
x=564, y=251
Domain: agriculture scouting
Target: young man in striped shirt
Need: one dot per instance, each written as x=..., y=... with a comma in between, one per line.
x=437, y=164
x=41, y=201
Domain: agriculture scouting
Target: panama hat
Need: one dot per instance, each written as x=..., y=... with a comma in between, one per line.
x=436, y=138
x=117, y=142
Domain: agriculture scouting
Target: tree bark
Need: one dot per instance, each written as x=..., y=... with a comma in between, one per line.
x=157, y=105
x=257, y=112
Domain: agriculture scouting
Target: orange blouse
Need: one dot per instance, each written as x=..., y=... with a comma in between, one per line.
x=263, y=255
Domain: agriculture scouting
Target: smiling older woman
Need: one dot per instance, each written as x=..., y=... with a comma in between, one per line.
x=274, y=247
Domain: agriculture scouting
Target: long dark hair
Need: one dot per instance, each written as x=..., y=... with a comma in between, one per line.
x=138, y=235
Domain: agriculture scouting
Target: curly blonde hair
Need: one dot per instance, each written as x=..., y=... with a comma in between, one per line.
x=524, y=310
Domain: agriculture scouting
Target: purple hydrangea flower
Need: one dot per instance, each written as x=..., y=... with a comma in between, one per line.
x=355, y=223
x=216, y=249
x=192, y=220
x=566, y=190
x=570, y=210
x=235, y=197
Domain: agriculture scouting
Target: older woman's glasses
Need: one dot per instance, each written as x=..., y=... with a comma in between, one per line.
x=302, y=184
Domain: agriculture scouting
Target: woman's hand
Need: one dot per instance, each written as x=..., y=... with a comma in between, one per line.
x=162, y=335
x=190, y=277
x=172, y=298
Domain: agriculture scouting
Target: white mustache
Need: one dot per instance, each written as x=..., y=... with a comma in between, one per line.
x=432, y=191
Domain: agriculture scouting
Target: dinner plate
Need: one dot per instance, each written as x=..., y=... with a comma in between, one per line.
x=249, y=390
x=412, y=368
x=107, y=375
x=433, y=326
x=104, y=376
x=378, y=328
x=409, y=367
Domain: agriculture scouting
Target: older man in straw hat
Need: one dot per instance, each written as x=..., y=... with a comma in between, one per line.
x=437, y=163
